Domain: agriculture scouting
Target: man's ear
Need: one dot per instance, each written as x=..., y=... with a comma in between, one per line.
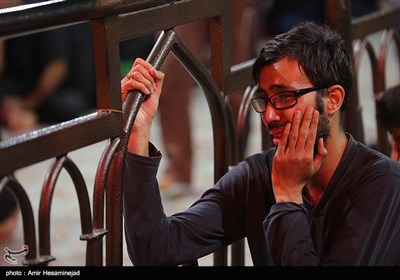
x=334, y=99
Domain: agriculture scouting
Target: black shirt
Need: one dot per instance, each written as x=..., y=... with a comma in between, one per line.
x=356, y=221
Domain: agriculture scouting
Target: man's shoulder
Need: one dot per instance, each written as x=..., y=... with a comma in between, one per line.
x=262, y=159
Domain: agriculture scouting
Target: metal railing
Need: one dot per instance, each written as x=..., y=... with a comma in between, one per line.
x=114, y=21
x=386, y=24
x=113, y=120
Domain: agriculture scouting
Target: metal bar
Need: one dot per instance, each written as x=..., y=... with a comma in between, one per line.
x=28, y=221
x=37, y=17
x=110, y=173
x=98, y=194
x=107, y=63
x=134, y=99
x=114, y=211
x=243, y=120
x=84, y=208
x=23, y=150
x=241, y=76
x=166, y=16
x=374, y=22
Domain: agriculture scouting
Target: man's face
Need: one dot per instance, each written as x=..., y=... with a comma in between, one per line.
x=286, y=75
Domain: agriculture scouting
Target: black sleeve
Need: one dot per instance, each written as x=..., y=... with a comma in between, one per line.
x=153, y=238
x=368, y=235
x=288, y=235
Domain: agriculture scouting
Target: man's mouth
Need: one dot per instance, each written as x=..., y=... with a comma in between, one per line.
x=276, y=132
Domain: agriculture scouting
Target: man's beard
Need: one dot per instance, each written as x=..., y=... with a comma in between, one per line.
x=324, y=125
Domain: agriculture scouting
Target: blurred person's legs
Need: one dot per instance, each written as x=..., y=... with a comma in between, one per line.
x=174, y=109
x=174, y=105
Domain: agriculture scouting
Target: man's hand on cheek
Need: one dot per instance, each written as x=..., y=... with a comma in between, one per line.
x=294, y=163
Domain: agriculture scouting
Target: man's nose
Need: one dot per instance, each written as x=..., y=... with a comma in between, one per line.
x=270, y=114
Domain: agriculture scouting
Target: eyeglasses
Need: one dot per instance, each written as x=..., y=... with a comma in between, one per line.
x=281, y=100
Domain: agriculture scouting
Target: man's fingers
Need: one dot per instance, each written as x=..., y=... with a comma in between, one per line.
x=158, y=77
x=312, y=131
x=304, y=130
x=283, y=140
x=142, y=62
x=294, y=132
x=321, y=154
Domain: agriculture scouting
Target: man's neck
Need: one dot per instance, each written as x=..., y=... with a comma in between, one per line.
x=336, y=147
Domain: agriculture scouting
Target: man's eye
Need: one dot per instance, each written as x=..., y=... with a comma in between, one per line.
x=260, y=93
x=284, y=96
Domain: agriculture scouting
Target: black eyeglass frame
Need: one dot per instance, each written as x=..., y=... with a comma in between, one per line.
x=297, y=94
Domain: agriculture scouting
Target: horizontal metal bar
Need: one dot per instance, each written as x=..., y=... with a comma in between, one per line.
x=166, y=17
x=374, y=22
x=58, y=139
x=241, y=76
x=40, y=16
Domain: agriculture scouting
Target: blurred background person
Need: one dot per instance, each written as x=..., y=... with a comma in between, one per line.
x=282, y=15
x=47, y=77
x=174, y=106
x=388, y=115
